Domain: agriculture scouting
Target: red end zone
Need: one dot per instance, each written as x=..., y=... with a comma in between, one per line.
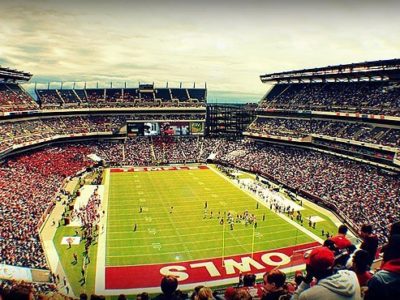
x=147, y=276
x=166, y=168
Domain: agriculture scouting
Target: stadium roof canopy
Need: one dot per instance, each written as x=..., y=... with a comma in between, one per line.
x=10, y=75
x=380, y=70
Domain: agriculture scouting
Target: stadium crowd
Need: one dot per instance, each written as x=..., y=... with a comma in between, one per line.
x=26, y=189
x=358, y=192
x=362, y=132
x=356, y=149
x=117, y=97
x=13, y=98
x=25, y=131
x=363, y=97
x=11, y=289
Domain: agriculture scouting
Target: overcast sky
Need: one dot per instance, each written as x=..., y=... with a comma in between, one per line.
x=227, y=44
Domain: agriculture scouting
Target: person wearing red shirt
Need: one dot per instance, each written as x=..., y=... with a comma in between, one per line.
x=340, y=240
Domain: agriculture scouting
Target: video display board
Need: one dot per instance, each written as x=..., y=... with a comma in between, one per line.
x=164, y=128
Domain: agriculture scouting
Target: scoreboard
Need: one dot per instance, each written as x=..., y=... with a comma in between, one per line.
x=164, y=128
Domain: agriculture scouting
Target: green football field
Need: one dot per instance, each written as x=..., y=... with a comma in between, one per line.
x=168, y=208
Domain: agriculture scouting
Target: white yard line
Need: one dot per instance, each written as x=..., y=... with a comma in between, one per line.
x=172, y=223
x=208, y=233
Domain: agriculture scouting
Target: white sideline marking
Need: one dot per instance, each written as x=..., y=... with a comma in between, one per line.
x=209, y=233
x=193, y=250
x=101, y=247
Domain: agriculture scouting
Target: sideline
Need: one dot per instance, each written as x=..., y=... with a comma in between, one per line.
x=331, y=216
x=101, y=247
x=85, y=193
x=299, y=227
x=47, y=234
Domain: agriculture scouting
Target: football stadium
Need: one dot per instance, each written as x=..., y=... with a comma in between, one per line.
x=139, y=189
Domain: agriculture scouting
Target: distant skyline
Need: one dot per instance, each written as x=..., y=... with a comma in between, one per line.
x=227, y=44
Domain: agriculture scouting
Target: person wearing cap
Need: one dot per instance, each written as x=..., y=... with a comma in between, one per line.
x=385, y=284
x=342, y=285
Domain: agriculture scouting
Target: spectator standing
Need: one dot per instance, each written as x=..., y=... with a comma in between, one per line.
x=340, y=240
x=385, y=284
x=340, y=286
x=370, y=242
x=361, y=267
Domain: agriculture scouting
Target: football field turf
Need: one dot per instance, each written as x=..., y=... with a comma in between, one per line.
x=168, y=208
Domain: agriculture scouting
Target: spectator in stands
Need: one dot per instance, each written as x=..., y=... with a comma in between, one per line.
x=394, y=230
x=83, y=296
x=25, y=201
x=169, y=285
x=370, y=241
x=298, y=278
x=340, y=240
x=241, y=294
x=20, y=292
x=195, y=292
x=361, y=267
x=142, y=296
x=319, y=264
x=385, y=284
x=205, y=293
x=249, y=284
x=274, y=282
x=230, y=293
x=97, y=297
